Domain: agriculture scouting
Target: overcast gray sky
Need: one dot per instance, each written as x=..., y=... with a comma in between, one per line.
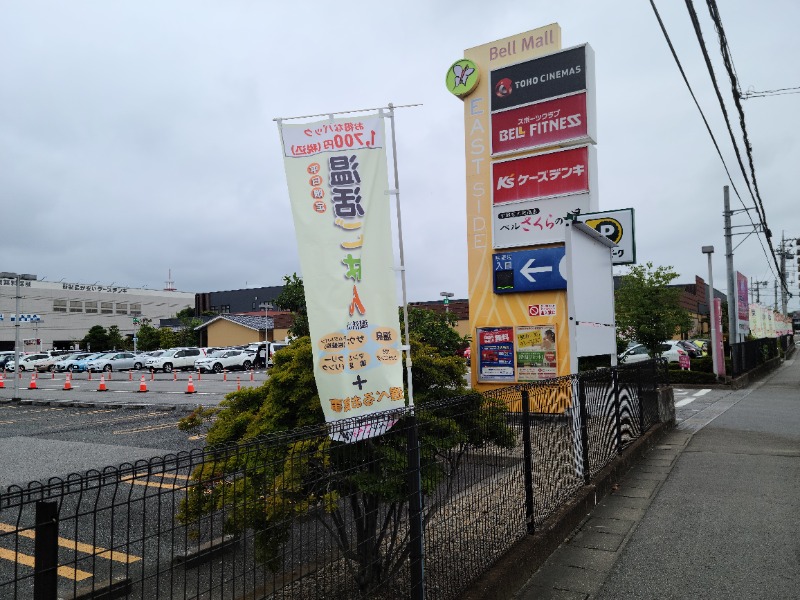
x=138, y=137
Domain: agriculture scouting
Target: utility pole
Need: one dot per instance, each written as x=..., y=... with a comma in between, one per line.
x=733, y=299
x=755, y=286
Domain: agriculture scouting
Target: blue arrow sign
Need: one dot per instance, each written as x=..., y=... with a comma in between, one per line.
x=529, y=270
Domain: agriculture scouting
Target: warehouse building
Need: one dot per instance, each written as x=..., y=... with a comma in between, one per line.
x=57, y=315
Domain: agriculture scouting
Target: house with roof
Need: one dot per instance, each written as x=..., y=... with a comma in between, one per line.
x=236, y=330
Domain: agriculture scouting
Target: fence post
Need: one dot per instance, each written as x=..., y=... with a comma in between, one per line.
x=45, y=554
x=584, y=417
x=417, y=542
x=617, y=408
x=640, y=394
x=528, y=459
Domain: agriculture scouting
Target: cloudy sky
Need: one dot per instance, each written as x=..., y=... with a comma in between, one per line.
x=137, y=138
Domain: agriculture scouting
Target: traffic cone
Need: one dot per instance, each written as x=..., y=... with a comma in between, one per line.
x=2, y=381
x=68, y=383
x=238, y=383
x=198, y=375
x=130, y=375
x=190, y=388
x=224, y=375
x=174, y=376
x=52, y=374
x=32, y=385
x=102, y=386
x=251, y=374
x=142, y=385
x=152, y=375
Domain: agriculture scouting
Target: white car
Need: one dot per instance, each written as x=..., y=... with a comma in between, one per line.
x=175, y=358
x=225, y=360
x=113, y=361
x=638, y=353
x=27, y=362
x=67, y=363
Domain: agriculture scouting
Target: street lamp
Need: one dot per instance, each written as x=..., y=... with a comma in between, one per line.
x=447, y=296
x=19, y=277
x=709, y=250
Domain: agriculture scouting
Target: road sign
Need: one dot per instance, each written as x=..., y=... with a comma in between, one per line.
x=530, y=270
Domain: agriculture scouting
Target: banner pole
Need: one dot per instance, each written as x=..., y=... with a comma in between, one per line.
x=396, y=191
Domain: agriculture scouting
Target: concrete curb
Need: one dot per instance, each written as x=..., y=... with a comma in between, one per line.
x=521, y=561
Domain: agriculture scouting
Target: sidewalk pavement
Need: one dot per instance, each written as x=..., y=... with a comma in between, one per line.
x=711, y=512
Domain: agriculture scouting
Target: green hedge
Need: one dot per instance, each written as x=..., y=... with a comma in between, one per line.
x=691, y=377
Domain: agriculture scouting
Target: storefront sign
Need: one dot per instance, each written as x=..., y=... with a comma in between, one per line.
x=533, y=222
x=544, y=175
x=496, y=354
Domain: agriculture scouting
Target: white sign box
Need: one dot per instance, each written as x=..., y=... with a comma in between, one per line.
x=534, y=222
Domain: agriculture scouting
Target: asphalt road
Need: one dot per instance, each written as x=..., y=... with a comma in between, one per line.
x=51, y=432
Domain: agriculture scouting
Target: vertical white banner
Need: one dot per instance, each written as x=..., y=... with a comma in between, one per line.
x=337, y=179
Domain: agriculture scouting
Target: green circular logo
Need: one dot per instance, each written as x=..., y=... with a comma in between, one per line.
x=462, y=77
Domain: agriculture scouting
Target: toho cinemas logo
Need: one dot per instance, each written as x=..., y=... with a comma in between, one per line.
x=511, y=47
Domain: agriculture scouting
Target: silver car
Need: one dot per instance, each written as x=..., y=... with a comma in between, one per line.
x=113, y=361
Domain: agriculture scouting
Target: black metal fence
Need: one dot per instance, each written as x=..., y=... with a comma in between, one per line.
x=298, y=515
x=746, y=356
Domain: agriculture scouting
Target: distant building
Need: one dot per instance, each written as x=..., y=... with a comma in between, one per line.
x=59, y=315
x=232, y=302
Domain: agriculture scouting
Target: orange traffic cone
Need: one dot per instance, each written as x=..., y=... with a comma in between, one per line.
x=224, y=375
x=238, y=383
x=102, y=386
x=142, y=385
x=130, y=375
x=32, y=385
x=2, y=381
x=190, y=388
x=251, y=374
x=198, y=375
x=68, y=383
x=174, y=376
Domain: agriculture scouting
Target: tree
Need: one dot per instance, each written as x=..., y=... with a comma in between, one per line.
x=293, y=298
x=115, y=339
x=437, y=329
x=186, y=334
x=148, y=338
x=96, y=339
x=648, y=309
x=362, y=485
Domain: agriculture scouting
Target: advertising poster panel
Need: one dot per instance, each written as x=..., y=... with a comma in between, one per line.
x=337, y=180
x=556, y=74
x=536, y=352
x=548, y=123
x=742, y=306
x=535, y=222
x=496, y=354
x=719, y=350
x=543, y=175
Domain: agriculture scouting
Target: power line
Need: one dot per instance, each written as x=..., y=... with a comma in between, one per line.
x=766, y=93
x=727, y=60
x=708, y=127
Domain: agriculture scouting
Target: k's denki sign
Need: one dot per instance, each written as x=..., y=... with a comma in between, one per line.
x=544, y=175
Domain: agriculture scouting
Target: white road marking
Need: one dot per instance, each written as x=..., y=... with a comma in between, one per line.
x=701, y=393
x=692, y=398
x=684, y=402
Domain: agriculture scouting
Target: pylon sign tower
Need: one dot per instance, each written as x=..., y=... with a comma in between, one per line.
x=530, y=130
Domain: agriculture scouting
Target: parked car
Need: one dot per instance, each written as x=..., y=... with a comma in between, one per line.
x=691, y=349
x=27, y=362
x=64, y=363
x=273, y=348
x=702, y=344
x=4, y=358
x=113, y=361
x=80, y=365
x=175, y=358
x=48, y=363
x=225, y=359
x=670, y=351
